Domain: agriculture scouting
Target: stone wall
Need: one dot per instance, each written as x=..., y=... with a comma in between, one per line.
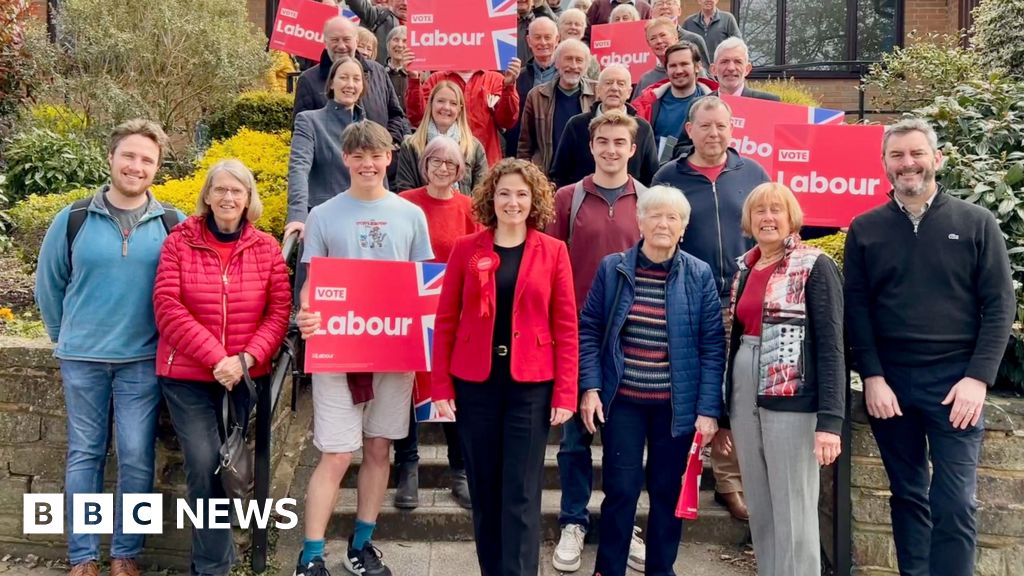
x=33, y=444
x=1000, y=494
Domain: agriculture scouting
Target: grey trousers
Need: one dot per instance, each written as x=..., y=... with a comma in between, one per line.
x=780, y=474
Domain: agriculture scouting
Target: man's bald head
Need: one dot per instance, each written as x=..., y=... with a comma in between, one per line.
x=340, y=37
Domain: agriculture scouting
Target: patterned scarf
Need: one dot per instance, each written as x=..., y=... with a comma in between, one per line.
x=453, y=131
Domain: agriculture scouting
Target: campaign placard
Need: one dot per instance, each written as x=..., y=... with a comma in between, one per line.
x=299, y=27
x=623, y=43
x=836, y=171
x=754, y=122
x=466, y=35
x=376, y=316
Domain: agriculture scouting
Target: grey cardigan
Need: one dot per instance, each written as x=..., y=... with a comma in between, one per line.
x=409, y=176
x=315, y=170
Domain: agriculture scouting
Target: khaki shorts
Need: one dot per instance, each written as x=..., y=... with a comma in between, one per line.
x=340, y=426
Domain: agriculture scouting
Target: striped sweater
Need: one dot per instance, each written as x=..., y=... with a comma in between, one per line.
x=646, y=376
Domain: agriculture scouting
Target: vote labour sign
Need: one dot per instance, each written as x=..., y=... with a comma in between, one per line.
x=299, y=28
x=622, y=43
x=462, y=35
x=835, y=171
x=375, y=316
x=754, y=121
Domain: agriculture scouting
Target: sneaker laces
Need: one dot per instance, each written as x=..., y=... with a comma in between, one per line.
x=572, y=536
x=314, y=568
x=371, y=557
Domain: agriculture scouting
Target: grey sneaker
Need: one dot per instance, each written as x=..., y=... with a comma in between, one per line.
x=568, y=556
x=637, y=551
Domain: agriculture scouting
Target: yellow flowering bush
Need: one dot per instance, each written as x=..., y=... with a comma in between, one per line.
x=789, y=90
x=266, y=154
x=833, y=245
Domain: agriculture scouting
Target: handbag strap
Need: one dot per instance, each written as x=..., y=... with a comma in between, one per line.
x=228, y=407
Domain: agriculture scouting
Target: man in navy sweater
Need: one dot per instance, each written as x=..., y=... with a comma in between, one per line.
x=929, y=305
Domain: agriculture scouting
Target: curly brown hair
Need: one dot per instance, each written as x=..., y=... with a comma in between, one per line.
x=542, y=193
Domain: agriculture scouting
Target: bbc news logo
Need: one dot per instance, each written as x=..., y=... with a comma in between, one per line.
x=144, y=513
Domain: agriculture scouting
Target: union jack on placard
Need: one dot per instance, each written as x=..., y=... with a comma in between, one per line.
x=429, y=277
x=825, y=116
x=347, y=13
x=501, y=7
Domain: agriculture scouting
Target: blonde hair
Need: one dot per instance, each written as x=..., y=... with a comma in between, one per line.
x=419, y=137
x=766, y=194
x=239, y=171
x=364, y=35
x=139, y=127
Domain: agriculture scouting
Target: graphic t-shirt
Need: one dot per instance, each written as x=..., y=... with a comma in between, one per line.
x=390, y=228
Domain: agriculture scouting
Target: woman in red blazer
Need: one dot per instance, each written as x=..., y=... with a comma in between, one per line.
x=506, y=358
x=221, y=299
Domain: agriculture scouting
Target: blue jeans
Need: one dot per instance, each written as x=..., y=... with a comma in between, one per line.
x=576, y=472
x=933, y=519
x=629, y=427
x=88, y=390
x=195, y=409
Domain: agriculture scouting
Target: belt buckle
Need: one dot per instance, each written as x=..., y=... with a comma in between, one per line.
x=501, y=350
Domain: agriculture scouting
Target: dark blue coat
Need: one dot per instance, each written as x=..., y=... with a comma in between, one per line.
x=696, y=335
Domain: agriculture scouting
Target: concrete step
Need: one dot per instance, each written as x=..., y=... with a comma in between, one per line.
x=433, y=469
x=440, y=519
x=431, y=433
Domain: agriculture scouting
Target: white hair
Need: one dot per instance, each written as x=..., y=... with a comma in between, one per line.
x=664, y=197
x=539, y=21
x=571, y=43
x=629, y=8
x=572, y=12
x=583, y=5
x=611, y=67
x=731, y=43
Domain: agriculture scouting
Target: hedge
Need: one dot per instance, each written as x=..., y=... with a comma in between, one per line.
x=266, y=154
x=263, y=111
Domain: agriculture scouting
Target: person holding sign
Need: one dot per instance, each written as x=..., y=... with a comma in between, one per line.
x=447, y=117
x=380, y=20
x=716, y=181
x=361, y=410
x=929, y=307
x=449, y=217
x=570, y=166
x=505, y=359
x=221, y=299
x=785, y=385
x=652, y=354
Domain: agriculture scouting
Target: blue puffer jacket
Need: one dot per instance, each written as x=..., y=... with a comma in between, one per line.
x=696, y=340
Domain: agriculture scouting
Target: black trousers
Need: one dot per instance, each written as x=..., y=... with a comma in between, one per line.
x=503, y=426
x=933, y=519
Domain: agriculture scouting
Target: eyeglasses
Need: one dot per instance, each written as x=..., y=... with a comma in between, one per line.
x=221, y=192
x=437, y=162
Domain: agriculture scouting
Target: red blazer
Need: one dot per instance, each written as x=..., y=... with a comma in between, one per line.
x=205, y=312
x=545, y=341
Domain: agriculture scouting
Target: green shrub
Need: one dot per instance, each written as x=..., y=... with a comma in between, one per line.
x=926, y=68
x=18, y=73
x=43, y=162
x=59, y=119
x=262, y=111
x=833, y=245
x=32, y=216
x=789, y=90
x=999, y=35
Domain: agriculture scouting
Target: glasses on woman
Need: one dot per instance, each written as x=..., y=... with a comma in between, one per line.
x=221, y=191
x=438, y=162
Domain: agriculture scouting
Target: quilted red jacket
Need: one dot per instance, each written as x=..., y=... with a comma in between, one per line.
x=205, y=312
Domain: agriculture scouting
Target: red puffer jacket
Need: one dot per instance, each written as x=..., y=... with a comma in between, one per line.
x=205, y=312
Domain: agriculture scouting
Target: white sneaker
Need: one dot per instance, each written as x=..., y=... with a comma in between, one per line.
x=637, y=559
x=568, y=556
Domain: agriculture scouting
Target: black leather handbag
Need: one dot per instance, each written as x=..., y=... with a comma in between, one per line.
x=237, y=461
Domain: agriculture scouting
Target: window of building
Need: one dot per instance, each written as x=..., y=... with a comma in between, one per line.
x=790, y=32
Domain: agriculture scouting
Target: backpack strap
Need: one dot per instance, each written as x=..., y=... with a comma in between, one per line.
x=76, y=217
x=578, y=196
x=169, y=217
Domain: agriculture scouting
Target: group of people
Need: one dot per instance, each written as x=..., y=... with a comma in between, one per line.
x=584, y=272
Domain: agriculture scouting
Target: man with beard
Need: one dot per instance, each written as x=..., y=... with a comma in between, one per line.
x=659, y=37
x=550, y=106
x=595, y=216
x=380, y=102
x=94, y=288
x=929, y=305
x=380, y=20
x=666, y=104
x=542, y=38
x=569, y=166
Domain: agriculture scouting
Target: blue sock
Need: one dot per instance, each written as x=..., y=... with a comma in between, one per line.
x=311, y=549
x=362, y=535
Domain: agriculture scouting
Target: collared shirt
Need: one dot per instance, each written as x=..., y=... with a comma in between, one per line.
x=915, y=219
x=738, y=92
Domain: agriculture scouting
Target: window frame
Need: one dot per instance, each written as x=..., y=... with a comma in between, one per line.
x=846, y=71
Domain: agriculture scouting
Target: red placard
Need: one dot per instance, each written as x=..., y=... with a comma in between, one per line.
x=462, y=35
x=370, y=325
x=754, y=121
x=299, y=28
x=623, y=43
x=835, y=171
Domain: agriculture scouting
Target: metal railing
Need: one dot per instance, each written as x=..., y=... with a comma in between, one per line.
x=288, y=362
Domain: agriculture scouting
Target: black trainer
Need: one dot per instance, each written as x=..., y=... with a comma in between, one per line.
x=365, y=562
x=314, y=567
